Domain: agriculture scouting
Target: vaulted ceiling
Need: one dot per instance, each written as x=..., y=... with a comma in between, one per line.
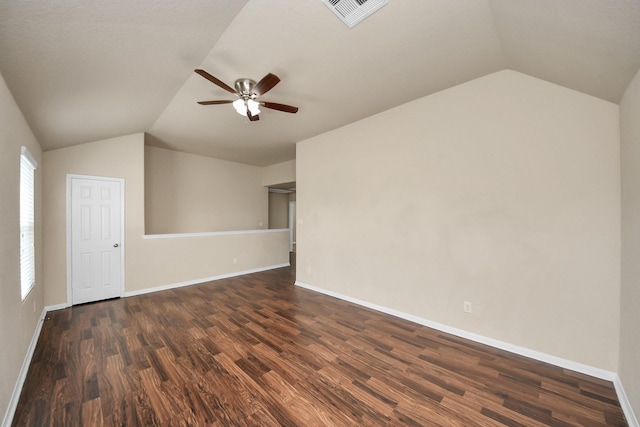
x=86, y=70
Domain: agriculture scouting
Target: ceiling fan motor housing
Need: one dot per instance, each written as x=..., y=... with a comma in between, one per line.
x=244, y=87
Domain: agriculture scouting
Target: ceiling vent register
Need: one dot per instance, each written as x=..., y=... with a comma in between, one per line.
x=353, y=11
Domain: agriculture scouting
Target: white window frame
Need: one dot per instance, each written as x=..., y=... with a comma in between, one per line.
x=28, y=165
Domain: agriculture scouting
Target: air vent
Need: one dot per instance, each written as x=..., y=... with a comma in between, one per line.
x=353, y=11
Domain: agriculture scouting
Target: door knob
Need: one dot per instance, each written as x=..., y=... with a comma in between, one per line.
x=115, y=246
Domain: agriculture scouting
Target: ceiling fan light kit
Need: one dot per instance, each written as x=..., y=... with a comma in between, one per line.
x=248, y=91
x=242, y=106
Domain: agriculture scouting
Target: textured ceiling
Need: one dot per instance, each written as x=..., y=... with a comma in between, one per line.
x=83, y=70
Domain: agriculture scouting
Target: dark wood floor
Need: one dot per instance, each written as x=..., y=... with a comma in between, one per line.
x=257, y=351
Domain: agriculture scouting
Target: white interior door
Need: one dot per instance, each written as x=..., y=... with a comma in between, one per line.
x=96, y=233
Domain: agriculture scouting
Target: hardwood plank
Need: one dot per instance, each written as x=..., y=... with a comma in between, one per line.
x=256, y=350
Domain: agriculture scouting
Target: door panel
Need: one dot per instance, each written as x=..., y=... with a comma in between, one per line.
x=96, y=229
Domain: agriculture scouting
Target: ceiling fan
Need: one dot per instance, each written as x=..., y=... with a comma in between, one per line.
x=247, y=92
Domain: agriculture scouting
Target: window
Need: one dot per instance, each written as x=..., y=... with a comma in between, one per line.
x=27, y=220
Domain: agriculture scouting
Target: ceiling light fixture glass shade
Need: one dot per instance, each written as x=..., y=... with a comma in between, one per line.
x=241, y=106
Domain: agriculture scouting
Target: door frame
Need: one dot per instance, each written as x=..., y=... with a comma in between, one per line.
x=291, y=220
x=70, y=177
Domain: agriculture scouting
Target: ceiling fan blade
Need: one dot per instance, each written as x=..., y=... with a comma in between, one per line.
x=215, y=81
x=266, y=84
x=225, y=101
x=280, y=107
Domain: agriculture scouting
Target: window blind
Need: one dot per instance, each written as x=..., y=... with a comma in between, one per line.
x=27, y=222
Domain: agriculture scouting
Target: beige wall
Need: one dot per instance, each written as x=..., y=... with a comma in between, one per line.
x=503, y=191
x=149, y=263
x=186, y=193
x=278, y=210
x=18, y=319
x=630, y=314
x=280, y=173
x=121, y=157
x=164, y=262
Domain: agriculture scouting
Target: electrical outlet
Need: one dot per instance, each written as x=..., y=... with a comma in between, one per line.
x=235, y=259
x=467, y=307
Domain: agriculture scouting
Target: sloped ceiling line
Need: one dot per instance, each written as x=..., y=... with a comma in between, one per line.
x=85, y=71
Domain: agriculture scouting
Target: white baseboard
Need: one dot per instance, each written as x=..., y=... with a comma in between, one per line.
x=533, y=354
x=625, y=404
x=15, y=396
x=523, y=351
x=17, y=389
x=203, y=280
x=56, y=307
x=543, y=357
x=182, y=284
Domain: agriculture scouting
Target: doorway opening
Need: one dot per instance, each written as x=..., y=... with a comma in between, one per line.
x=282, y=210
